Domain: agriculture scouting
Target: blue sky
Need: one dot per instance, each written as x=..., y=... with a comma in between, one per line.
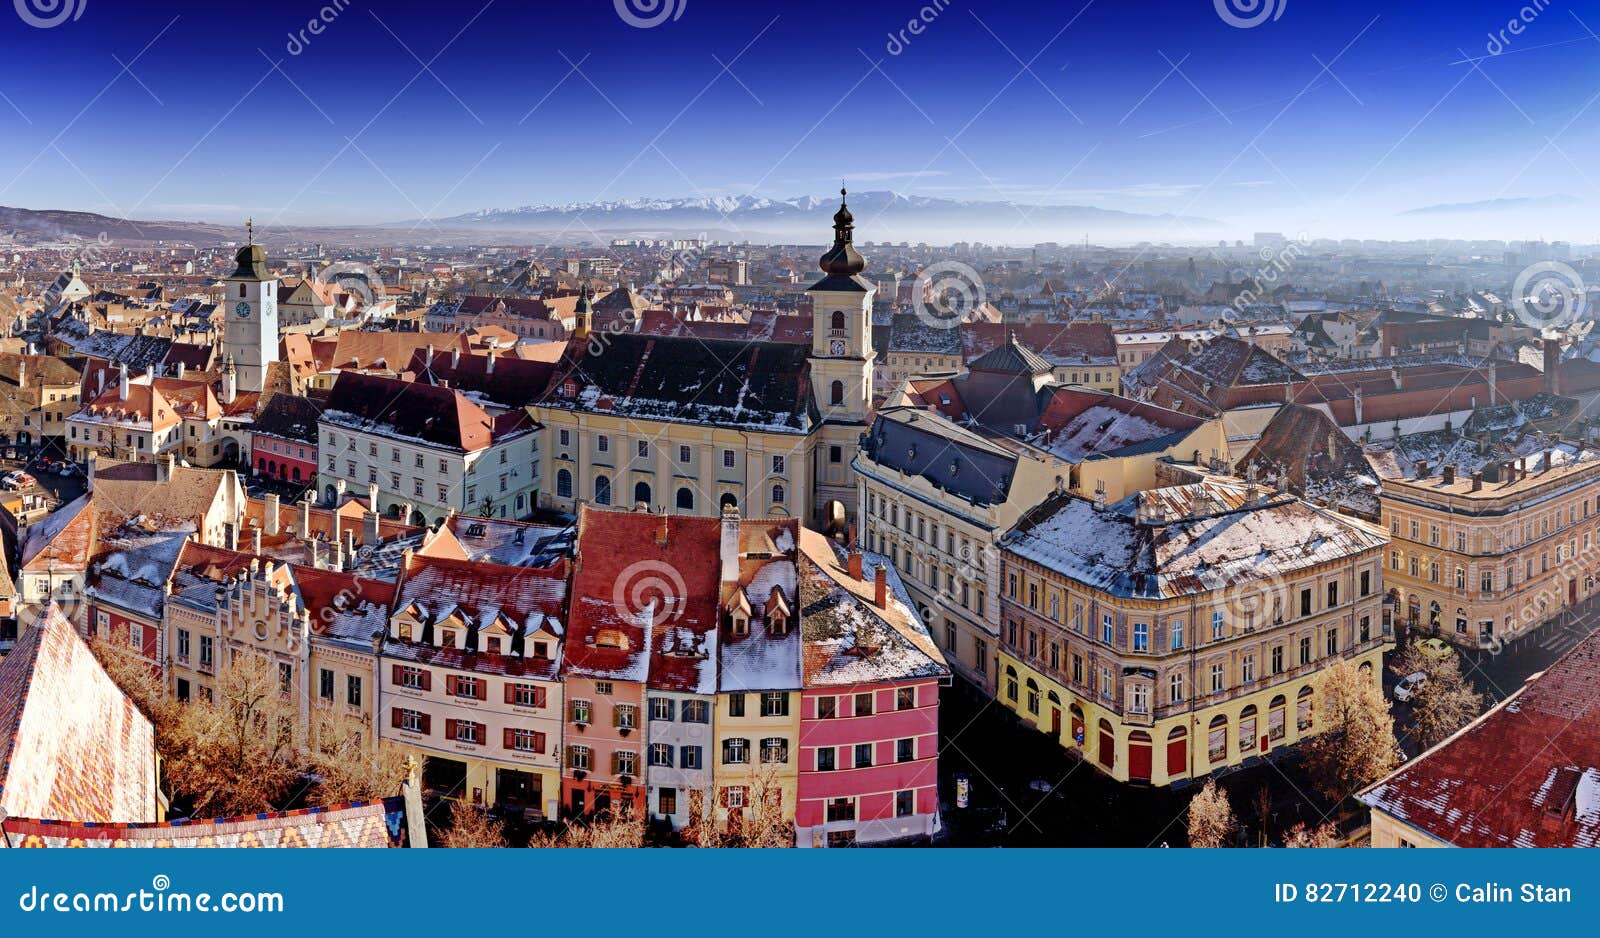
x=1140, y=106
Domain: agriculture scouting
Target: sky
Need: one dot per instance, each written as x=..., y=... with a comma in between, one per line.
x=1324, y=119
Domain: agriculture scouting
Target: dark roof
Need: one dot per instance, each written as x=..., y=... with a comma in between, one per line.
x=748, y=385
x=912, y=334
x=500, y=379
x=289, y=417
x=1011, y=357
x=955, y=459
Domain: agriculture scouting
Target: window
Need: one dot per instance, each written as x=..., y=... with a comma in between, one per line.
x=826, y=756
x=580, y=711
x=602, y=443
x=468, y=731
x=1333, y=593
x=905, y=750
x=206, y=656
x=1247, y=669
x=696, y=711
x=661, y=754
x=661, y=709
x=1305, y=649
x=906, y=697
x=602, y=490
x=1277, y=659
x=468, y=687
x=735, y=751
x=689, y=757
x=1218, y=679
x=578, y=758
x=774, y=750
x=1141, y=636
x=827, y=708
x=734, y=795
x=1305, y=602
x=1140, y=702
x=905, y=803
x=411, y=721
x=525, y=695
x=863, y=705
x=778, y=465
x=285, y=676
x=525, y=740
x=183, y=644
x=841, y=809
x=325, y=684
x=1366, y=582
x=564, y=484
x=863, y=756
x=624, y=716
x=641, y=493
x=1175, y=687
x=352, y=690
x=777, y=494
x=772, y=704
x=1107, y=629
x=1219, y=625
x=1333, y=640
x=1175, y=629
x=410, y=677
x=685, y=499
x=727, y=459
x=624, y=762
x=643, y=449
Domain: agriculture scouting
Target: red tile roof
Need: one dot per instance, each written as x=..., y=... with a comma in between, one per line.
x=1526, y=774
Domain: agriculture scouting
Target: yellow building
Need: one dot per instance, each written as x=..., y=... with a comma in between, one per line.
x=1183, y=630
x=1484, y=549
x=757, y=751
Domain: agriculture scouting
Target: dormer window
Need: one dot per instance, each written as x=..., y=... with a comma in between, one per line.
x=741, y=625
x=611, y=638
x=404, y=631
x=778, y=624
x=447, y=638
x=541, y=649
x=494, y=646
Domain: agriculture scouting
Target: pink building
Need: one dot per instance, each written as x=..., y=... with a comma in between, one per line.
x=869, y=718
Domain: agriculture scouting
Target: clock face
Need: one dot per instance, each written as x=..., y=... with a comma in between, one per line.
x=242, y=310
x=837, y=347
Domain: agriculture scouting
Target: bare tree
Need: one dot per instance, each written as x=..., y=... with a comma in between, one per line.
x=1355, y=744
x=619, y=829
x=1445, y=702
x=235, y=755
x=759, y=822
x=1322, y=836
x=1262, y=802
x=1211, y=820
x=471, y=829
x=347, y=764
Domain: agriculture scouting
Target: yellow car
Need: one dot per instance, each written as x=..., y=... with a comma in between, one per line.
x=1436, y=648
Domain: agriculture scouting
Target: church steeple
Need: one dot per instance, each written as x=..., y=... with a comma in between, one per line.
x=843, y=260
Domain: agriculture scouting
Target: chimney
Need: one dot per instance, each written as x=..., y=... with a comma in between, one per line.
x=1552, y=365
x=269, y=512
x=305, y=516
x=255, y=540
x=233, y=536
x=661, y=529
x=488, y=366
x=181, y=369
x=22, y=373
x=372, y=495
x=1544, y=461
x=333, y=531
x=455, y=357
x=855, y=564
x=1394, y=373
x=164, y=464
x=1422, y=469
x=1477, y=481
x=316, y=554
x=880, y=586
x=122, y=381
x=369, y=527
x=350, y=546
x=1449, y=475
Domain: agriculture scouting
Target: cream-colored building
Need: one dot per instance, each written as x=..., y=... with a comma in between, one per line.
x=1183, y=630
x=1482, y=557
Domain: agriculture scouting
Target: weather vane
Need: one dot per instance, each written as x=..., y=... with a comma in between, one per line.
x=250, y=231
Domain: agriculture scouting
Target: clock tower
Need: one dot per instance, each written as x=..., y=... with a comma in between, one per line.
x=250, y=333
x=841, y=368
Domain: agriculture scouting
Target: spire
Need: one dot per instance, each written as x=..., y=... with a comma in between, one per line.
x=843, y=260
x=249, y=231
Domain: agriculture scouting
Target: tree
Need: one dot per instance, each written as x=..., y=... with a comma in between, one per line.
x=619, y=829
x=1444, y=703
x=235, y=755
x=348, y=767
x=1211, y=820
x=760, y=823
x=1322, y=836
x=471, y=829
x=1355, y=743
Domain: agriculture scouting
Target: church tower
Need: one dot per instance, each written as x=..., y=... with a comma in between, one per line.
x=250, y=336
x=841, y=369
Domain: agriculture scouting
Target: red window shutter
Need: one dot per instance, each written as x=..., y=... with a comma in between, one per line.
x=511, y=695
x=511, y=738
x=483, y=689
x=450, y=729
x=427, y=724
x=450, y=684
x=538, y=698
x=538, y=742
x=398, y=675
x=394, y=717
x=480, y=734
x=427, y=680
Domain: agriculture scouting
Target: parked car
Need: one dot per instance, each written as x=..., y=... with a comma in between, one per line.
x=17, y=480
x=1408, y=686
x=1436, y=648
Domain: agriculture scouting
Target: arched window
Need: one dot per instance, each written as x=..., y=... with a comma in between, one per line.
x=728, y=500
x=836, y=393
x=602, y=490
x=685, y=499
x=838, y=316
x=777, y=494
x=641, y=493
x=564, y=484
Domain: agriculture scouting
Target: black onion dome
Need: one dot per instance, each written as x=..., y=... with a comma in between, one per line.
x=251, y=263
x=843, y=259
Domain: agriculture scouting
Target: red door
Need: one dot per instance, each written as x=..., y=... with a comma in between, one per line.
x=1055, y=722
x=1108, y=749
x=1139, y=762
x=1572, y=592
x=1177, y=758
